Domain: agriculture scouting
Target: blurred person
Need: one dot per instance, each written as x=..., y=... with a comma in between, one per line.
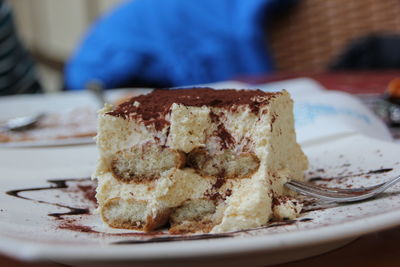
x=17, y=69
x=376, y=51
x=158, y=43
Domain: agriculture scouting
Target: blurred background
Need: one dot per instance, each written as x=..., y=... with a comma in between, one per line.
x=51, y=30
x=304, y=36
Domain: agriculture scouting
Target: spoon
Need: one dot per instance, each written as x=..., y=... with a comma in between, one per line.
x=27, y=122
x=21, y=123
x=97, y=89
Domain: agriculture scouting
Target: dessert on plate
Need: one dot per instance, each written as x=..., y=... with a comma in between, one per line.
x=198, y=160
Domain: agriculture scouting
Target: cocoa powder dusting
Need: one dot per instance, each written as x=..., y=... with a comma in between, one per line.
x=73, y=225
x=227, y=139
x=275, y=202
x=219, y=182
x=89, y=192
x=155, y=106
x=214, y=117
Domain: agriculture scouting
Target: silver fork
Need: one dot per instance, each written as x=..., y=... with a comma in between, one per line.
x=340, y=195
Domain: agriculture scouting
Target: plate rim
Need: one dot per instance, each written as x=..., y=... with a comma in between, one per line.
x=28, y=250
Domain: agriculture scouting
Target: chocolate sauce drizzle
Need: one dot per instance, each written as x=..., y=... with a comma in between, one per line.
x=55, y=184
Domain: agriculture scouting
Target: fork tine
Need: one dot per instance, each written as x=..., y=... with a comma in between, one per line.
x=337, y=190
x=368, y=188
x=305, y=191
x=324, y=190
x=351, y=190
x=340, y=195
x=387, y=185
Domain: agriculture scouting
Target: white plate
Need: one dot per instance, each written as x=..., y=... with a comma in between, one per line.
x=28, y=233
x=65, y=105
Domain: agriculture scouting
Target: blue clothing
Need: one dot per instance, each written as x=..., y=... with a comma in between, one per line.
x=174, y=43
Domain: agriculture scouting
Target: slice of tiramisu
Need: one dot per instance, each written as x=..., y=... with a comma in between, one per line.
x=202, y=160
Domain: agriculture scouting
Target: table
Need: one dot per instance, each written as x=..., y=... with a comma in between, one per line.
x=360, y=82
